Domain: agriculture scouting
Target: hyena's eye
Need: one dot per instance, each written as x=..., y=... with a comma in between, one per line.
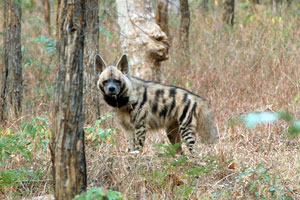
x=105, y=82
x=118, y=81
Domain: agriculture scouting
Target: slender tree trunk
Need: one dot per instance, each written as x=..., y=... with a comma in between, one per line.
x=141, y=38
x=12, y=81
x=46, y=6
x=162, y=16
x=204, y=6
x=91, y=97
x=184, y=32
x=228, y=16
x=253, y=5
x=216, y=7
x=276, y=4
x=67, y=147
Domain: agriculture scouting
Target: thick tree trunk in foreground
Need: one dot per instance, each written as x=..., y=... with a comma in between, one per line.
x=141, y=38
x=228, y=16
x=12, y=81
x=184, y=32
x=67, y=147
x=91, y=48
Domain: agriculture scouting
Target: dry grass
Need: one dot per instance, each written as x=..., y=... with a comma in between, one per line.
x=254, y=67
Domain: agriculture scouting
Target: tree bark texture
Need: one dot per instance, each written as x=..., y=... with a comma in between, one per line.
x=91, y=48
x=12, y=81
x=141, y=38
x=184, y=32
x=67, y=147
x=162, y=16
x=228, y=16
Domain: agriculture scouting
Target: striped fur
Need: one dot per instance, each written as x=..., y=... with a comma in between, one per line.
x=144, y=105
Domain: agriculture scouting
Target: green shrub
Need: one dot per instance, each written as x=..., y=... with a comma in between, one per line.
x=100, y=194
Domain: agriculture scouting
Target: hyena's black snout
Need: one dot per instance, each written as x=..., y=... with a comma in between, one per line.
x=112, y=89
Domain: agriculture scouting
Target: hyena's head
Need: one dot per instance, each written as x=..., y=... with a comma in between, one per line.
x=112, y=80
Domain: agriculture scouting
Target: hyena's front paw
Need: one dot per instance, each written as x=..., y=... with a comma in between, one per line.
x=130, y=146
x=134, y=150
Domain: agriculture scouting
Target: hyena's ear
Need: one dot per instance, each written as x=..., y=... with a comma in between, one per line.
x=123, y=64
x=99, y=65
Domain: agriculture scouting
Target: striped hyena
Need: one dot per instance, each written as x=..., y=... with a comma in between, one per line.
x=142, y=105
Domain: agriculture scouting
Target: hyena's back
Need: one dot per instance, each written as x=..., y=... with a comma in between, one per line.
x=180, y=111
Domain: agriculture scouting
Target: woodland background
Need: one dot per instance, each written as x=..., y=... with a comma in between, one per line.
x=251, y=66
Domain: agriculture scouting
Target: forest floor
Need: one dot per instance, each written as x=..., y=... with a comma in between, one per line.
x=253, y=67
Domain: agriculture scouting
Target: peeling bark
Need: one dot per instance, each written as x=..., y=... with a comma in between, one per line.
x=12, y=81
x=67, y=146
x=91, y=48
x=141, y=38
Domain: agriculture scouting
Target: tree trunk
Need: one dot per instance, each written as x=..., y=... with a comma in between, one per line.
x=91, y=97
x=184, y=32
x=204, y=6
x=67, y=146
x=141, y=38
x=253, y=5
x=162, y=16
x=46, y=6
x=228, y=16
x=12, y=81
x=216, y=7
x=276, y=4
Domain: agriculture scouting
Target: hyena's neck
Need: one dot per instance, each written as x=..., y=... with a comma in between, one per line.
x=117, y=102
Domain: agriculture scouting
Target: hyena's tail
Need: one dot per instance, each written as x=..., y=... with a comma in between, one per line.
x=206, y=127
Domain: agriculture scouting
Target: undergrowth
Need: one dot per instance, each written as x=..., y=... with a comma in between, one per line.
x=246, y=73
x=19, y=150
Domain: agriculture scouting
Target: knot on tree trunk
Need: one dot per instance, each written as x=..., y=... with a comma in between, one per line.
x=158, y=46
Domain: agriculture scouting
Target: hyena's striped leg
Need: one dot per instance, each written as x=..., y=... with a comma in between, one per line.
x=140, y=137
x=129, y=133
x=187, y=133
